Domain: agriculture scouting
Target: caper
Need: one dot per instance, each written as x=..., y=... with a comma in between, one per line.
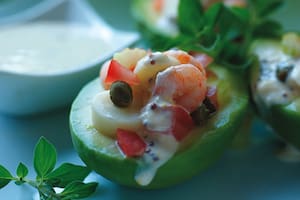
x=209, y=105
x=121, y=94
x=203, y=112
x=200, y=115
x=282, y=71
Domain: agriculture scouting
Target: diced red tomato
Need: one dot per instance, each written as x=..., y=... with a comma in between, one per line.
x=131, y=144
x=212, y=95
x=114, y=71
x=182, y=122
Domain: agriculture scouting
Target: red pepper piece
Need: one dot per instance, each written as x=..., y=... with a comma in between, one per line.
x=117, y=72
x=131, y=144
x=182, y=122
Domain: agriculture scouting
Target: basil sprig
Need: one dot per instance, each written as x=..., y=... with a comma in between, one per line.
x=221, y=31
x=68, y=177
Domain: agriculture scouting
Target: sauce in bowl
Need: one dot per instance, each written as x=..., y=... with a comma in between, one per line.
x=49, y=47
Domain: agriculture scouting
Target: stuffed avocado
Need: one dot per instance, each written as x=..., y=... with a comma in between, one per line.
x=154, y=119
x=275, y=84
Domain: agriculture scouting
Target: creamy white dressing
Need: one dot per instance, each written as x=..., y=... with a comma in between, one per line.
x=271, y=53
x=161, y=145
x=274, y=92
x=160, y=148
x=48, y=47
x=269, y=87
x=154, y=118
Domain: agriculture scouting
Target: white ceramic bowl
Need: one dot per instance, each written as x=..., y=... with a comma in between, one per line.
x=24, y=94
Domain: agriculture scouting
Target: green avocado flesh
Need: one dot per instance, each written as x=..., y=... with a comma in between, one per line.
x=197, y=152
x=283, y=119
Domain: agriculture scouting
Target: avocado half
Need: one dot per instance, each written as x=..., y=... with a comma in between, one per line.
x=283, y=119
x=203, y=146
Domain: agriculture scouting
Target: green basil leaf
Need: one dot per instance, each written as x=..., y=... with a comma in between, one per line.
x=212, y=14
x=266, y=7
x=78, y=190
x=44, y=157
x=268, y=28
x=5, y=176
x=242, y=14
x=67, y=173
x=190, y=16
x=22, y=170
x=206, y=41
x=231, y=23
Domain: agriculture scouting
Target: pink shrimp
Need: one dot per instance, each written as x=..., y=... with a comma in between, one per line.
x=183, y=85
x=185, y=58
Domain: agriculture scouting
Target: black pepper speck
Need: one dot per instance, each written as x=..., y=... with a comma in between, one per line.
x=153, y=106
x=285, y=95
x=148, y=150
x=151, y=143
x=155, y=158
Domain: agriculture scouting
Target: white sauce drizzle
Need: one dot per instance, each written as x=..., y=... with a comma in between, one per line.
x=161, y=145
x=160, y=148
